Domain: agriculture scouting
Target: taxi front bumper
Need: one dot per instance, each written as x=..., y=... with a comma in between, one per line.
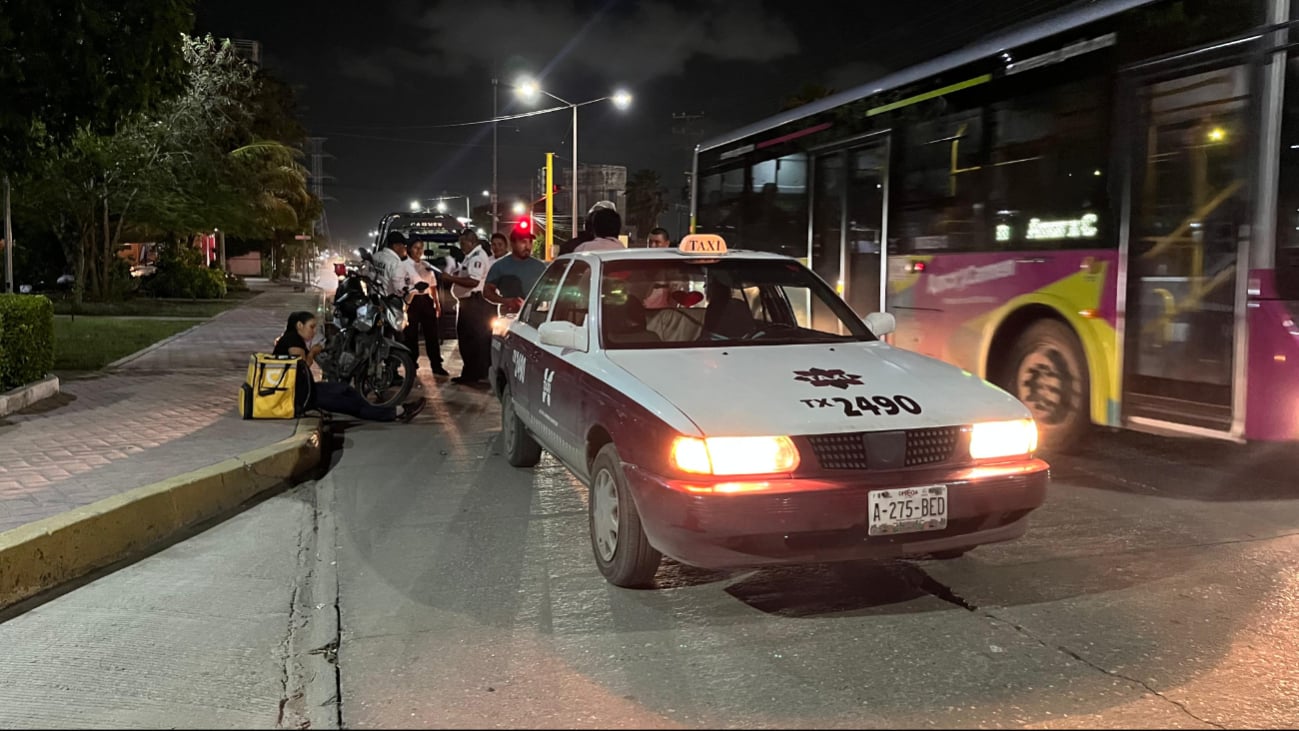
x=812, y=520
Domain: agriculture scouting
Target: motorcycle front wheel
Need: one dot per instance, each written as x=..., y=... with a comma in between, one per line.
x=393, y=382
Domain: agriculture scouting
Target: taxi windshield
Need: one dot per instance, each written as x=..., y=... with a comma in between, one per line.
x=723, y=301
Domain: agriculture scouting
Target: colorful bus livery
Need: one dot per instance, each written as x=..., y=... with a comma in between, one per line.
x=1097, y=211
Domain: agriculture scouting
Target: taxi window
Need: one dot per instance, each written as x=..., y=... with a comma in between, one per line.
x=574, y=295
x=537, y=308
x=722, y=301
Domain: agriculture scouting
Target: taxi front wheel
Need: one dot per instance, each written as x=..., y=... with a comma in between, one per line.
x=521, y=450
x=622, y=551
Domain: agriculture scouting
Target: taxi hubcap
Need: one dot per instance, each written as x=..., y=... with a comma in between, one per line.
x=604, y=515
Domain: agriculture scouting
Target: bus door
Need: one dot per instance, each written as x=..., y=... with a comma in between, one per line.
x=1188, y=219
x=849, y=195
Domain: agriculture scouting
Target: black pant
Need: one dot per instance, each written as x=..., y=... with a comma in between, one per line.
x=422, y=314
x=474, y=331
x=341, y=398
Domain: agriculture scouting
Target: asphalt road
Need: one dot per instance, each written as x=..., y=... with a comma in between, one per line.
x=423, y=582
x=1157, y=587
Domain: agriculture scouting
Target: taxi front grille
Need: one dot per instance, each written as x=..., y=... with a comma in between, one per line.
x=931, y=446
x=850, y=451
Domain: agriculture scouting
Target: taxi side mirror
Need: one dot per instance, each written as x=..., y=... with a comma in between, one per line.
x=881, y=323
x=563, y=334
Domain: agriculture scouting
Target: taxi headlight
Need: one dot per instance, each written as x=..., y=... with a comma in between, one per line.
x=734, y=455
x=1003, y=439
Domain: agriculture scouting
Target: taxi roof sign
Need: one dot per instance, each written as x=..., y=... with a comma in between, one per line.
x=702, y=244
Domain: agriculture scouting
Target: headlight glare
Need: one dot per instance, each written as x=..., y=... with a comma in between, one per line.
x=735, y=455
x=994, y=439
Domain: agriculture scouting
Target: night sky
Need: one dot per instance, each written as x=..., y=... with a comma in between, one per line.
x=374, y=77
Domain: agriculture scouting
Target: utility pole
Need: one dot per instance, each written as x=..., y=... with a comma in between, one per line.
x=495, y=223
x=9, y=242
x=318, y=178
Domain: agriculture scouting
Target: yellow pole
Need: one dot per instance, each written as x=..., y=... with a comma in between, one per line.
x=550, y=206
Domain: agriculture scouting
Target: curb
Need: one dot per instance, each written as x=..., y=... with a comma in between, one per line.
x=44, y=554
x=24, y=396
x=150, y=348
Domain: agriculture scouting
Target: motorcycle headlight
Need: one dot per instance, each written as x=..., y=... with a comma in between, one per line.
x=364, y=318
x=396, y=316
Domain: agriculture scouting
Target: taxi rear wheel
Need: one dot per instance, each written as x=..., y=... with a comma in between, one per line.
x=622, y=552
x=521, y=450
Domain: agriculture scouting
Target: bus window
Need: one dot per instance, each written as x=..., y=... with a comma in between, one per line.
x=775, y=211
x=940, y=201
x=1048, y=168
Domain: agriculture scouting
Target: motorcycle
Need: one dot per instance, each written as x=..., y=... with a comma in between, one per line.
x=361, y=345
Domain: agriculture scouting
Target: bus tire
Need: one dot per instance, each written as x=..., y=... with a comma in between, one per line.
x=1047, y=371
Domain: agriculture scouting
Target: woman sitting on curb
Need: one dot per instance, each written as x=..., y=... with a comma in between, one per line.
x=330, y=396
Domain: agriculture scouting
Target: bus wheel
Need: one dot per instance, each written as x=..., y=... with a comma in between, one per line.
x=1048, y=372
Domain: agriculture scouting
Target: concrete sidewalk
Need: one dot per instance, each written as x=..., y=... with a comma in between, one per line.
x=170, y=410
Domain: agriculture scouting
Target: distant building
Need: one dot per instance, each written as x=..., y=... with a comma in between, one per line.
x=594, y=183
x=251, y=50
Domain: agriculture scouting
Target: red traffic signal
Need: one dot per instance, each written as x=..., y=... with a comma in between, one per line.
x=523, y=226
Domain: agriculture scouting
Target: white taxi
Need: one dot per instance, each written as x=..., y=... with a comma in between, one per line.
x=727, y=408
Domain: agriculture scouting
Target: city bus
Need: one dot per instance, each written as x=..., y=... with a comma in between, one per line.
x=1097, y=210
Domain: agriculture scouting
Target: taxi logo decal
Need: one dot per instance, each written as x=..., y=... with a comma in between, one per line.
x=822, y=377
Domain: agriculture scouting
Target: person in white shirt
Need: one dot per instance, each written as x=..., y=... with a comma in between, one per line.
x=474, y=320
x=390, y=270
x=423, y=311
x=606, y=224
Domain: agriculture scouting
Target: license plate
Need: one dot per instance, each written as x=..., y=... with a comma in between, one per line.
x=907, y=510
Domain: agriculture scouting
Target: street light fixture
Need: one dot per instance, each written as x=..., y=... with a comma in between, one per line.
x=415, y=206
x=528, y=89
x=442, y=207
x=520, y=207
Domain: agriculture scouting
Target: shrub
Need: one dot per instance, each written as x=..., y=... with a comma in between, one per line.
x=26, y=339
x=181, y=274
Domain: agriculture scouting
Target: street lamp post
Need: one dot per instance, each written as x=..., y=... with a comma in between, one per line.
x=620, y=99
x=492, y=203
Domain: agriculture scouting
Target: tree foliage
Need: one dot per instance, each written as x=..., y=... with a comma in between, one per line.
x=70, y=65
x=224, y=153
x=646, y=200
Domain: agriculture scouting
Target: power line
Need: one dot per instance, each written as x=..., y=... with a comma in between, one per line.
x=457, y=124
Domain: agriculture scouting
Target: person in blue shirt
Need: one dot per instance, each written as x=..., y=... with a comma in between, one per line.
x=512, y=277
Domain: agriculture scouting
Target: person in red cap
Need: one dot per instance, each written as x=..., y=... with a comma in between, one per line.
x=511, y=278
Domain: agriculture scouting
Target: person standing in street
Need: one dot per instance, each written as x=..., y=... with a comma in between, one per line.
x=586, y=235
x=658, y=239
x=474, y=318
x=392, y=272
x=512, y=278
x=606, y=224
x=423, y=311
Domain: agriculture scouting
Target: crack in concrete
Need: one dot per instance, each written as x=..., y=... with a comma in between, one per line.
x=1113, y=673
x=939, y=590
x=294, y=624
x=285, y=646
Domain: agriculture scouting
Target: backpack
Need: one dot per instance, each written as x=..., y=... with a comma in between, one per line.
x=276, y=387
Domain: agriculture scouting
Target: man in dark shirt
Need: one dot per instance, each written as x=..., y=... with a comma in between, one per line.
x=511, y=279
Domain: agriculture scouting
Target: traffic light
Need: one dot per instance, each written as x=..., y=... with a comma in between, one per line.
x=524, y=226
